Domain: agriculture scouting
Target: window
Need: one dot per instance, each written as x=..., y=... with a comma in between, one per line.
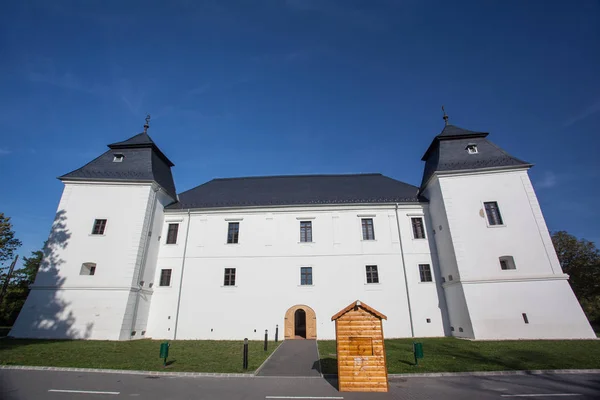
x=493, y=213
x=525, y=319
x=233, y=233
x=88, y=268
x=472, y=148
x=507, y=262
x=165, y=277
x=99, y=226
x=118, y=158
x=306, y=231
x=450, y=278
x=367, y=229
x=229, y=277
x=172, y=233
x=418, y=228
x=372, y=274
x=306, y=276
x=425, y=272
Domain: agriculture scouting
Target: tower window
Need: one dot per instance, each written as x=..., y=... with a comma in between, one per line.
x=493, y=213
x=306, y=231
x=99, y=226
x=472, y=148
x=507, y=262
x=118, y=158
x=88, y=268
x=306, y=276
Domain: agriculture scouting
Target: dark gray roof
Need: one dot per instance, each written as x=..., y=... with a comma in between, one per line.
x=142, y=161
x=297, y=190
x=448, y=152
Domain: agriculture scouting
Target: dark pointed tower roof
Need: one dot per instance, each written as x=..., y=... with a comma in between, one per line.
x=137, y=159
x=448, y=152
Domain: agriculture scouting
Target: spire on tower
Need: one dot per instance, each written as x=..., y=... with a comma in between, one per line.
x=445, y=116
x=146, y=125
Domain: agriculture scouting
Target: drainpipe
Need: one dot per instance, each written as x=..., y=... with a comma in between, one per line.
x=143, y=263
x=412, y=328
x=187, y=234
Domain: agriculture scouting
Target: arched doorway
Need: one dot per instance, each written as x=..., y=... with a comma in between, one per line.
x=300, y=323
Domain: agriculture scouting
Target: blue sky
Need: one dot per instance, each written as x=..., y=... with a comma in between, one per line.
x=239, y=88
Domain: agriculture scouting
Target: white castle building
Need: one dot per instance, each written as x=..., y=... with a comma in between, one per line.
x=466, y=254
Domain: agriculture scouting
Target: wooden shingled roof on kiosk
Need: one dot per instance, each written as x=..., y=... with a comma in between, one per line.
x=362, y=305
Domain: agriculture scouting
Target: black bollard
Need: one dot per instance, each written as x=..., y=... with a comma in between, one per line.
x=266, y=337
x=276, y=332
x=245, y=362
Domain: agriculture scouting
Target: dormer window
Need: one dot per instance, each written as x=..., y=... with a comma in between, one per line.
x=118, y=158
x=472, y=148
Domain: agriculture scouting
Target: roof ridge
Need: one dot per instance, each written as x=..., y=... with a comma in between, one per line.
x=296, y=176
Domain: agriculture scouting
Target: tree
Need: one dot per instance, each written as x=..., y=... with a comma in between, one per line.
x=18, y=288
x=580, y=259
x=8, y=242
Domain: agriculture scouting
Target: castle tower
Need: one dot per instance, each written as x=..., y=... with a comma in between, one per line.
x=95, y=281
x=502, y=278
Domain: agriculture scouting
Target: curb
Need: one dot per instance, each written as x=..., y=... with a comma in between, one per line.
x=126, y=371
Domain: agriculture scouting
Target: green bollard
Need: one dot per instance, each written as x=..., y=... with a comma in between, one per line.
x=417, y=351
x=164, y=352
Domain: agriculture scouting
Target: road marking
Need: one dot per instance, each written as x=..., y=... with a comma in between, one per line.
x=81, y=391
x=302, y=397
x=542, y=395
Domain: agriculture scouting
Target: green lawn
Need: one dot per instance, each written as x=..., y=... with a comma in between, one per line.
x=184, y=355
x=454, y=355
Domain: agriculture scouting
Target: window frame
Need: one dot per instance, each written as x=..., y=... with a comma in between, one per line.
x=90, y=267
x=234, y=235
x=229, y=277
x=363, y=226
x=118, y=157
x=308, y=236
x=169, y=233
x=372, y=273
x=102, y=225
x=412, y=222
x=472, y=148
x=424, y=272
x=487, y=215
x=160, y=280
x=509, y=261
x=308, y=276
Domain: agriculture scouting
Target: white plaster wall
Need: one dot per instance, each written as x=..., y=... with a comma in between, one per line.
x=551, y=307
x=99, y=300
x=458, y=311
x=268, y=260
x=525, y=237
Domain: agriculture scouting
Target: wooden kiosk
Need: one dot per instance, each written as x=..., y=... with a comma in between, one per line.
x=360, y=349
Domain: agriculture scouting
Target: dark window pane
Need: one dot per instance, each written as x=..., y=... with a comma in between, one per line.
x=165, y=277
x=172, y=233
x=425, y=272
x=233, y=232
x=372, y=275
x=99, y=226
x=306, y=231
x=306, y=275
x=229, y=277
x=92, y=270
x=418, y=228
x=367, y=229
x=493, y=213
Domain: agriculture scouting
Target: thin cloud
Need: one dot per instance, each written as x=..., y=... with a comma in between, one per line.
x=548, y=181
x=588, y=112
x=4, y=152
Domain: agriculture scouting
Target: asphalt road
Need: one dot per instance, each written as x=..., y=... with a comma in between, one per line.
x=53, y=385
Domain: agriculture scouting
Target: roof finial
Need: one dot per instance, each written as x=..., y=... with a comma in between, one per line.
x=445, y=116
x=146, y=125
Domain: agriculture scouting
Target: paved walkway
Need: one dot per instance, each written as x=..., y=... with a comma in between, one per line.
x=293, y=358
